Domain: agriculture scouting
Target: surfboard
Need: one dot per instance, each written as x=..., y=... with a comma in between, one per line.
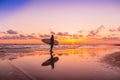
x=47, y=41
x=48, y=62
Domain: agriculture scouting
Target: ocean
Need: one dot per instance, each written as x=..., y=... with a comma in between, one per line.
x=19, y=48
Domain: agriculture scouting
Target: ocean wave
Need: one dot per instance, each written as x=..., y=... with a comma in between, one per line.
x=20, y=48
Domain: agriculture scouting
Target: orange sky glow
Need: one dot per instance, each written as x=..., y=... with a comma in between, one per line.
x=62, y=41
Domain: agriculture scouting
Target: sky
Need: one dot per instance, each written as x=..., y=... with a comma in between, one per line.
x=33, y=19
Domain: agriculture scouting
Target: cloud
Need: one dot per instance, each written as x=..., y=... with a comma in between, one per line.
x=118, y=28
x=115, y=30
x=76, y=36
x=9, y=37
x=63, y=34
x=93, y=33
x=112, y=30
x=111, y=38
x=11, y=31
x=56, y=35
x=31, y=37
x=20, y=36
x=80, y=31
x=66, y=34
x=60, y=33
x=12, y=34
x=53, y=33
x=44, y=35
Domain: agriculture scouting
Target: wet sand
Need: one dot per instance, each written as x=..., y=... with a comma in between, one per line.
x=9, y=71
x=113, y=59
x=100, y=63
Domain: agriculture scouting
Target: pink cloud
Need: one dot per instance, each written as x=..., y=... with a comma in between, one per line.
x=93, y=33
x=60, y=33
x=112, y=30
x=11, y=31
x=80, y=31
x=12, y=34
x=118, y=28
x=66, y=34
x=111, y=38
x=20, y=36
x=53, y=33
x=63, y=34
x=45, y=35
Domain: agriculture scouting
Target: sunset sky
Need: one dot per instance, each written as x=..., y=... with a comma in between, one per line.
x=71, y=21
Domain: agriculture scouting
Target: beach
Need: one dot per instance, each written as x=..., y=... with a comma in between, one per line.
x=59, y=39
x=89, y=62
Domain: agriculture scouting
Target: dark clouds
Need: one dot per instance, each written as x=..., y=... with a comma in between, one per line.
x=57, y=35
x=115, y=30
x=52, y=32
x=93, y=33
x=60, y=33
x=63, y=34
x=80, y=31
x=111, y=34
x=111, y=38
x=112, y=30
x=44, y=35
x=12, y=34
x=97, y=33
x=21, y=36
x=118, y=28
x=11, y=31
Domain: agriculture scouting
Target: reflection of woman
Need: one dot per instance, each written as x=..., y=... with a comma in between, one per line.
x=51, y=42
x=52, y=61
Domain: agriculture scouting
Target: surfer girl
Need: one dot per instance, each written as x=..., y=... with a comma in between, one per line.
x=51, y=43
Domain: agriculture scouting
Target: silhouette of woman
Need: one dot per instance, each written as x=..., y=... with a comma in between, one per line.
x=51, y=43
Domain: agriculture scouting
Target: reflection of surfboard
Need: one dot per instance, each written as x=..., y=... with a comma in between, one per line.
x=47, y=41
x=48, y=62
